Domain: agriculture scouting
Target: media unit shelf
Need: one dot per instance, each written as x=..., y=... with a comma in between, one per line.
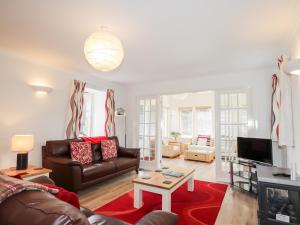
x=278, y=198
x=243, y=176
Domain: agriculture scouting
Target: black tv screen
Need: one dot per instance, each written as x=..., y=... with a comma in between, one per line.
x=255, y=149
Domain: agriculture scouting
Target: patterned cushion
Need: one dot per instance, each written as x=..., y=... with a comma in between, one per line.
x=202, y=141
x=194, y=140
x=109, y=149
x=209, y=140
x=82, y=152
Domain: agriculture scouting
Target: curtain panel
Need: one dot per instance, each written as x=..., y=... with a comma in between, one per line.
x=282, y=107
x=110, y=127
x=75, y=109
x=275, y=108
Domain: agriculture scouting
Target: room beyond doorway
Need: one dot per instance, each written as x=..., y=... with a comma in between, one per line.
x=188, y=127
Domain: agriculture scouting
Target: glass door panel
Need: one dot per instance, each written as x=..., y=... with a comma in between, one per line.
x=232, y=118
x=147, y=128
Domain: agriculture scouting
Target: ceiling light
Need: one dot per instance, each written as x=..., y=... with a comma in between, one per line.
x=293, y=67
x=103, y=51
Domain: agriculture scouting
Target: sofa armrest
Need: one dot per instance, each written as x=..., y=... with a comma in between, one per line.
x=42, y=180
x=65, y=173
x=64, y=161
x=159, y=217
x=129, y=152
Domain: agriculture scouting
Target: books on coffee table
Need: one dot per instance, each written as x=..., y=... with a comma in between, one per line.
x=173, y=174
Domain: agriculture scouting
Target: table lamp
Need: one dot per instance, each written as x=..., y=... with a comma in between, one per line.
x=22, y=144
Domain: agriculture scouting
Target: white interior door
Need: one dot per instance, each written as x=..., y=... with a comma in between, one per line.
x=149, y=129
x=232, y=119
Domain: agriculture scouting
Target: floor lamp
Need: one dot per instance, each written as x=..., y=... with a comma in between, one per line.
x=120, y=112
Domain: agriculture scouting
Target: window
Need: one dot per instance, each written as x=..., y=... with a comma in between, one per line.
x=93, y=116
x=86, y=119
x=203, y=118
x=186, y=122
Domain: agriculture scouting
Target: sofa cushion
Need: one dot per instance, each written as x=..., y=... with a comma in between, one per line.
x=82, y=152
x=97, y=170
x=198, y=147
x=109, y=149
x=123, y=163
x=97, y=155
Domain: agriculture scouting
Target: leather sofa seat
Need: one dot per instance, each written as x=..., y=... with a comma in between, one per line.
x=97, y=170
x=124, y=163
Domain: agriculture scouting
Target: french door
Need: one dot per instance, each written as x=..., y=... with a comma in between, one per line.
x=232, y=119
x=149, y=131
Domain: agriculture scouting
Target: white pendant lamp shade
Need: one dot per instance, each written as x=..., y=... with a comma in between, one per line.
x=104, y=51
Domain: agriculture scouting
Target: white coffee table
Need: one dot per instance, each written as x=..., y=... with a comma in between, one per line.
x=155, y=185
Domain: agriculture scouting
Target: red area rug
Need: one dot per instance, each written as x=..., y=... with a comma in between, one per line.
x=194, y=208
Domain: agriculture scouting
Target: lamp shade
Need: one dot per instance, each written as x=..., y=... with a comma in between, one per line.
x=103, y=51
x=22, y=143
x=293, y=66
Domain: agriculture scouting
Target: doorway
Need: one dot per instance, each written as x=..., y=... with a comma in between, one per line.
x=188, y=130
x=171, y=126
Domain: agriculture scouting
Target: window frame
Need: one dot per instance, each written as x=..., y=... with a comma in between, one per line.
x=92, y=92
x=180, y=110
x=196, y=126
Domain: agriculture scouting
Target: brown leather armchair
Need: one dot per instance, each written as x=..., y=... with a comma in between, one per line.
x=42, y=208
x=74, y=176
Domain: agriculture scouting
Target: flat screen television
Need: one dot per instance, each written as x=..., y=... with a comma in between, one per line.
x=255, y=149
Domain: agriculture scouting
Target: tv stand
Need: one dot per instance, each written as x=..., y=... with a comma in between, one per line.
x=243, y=175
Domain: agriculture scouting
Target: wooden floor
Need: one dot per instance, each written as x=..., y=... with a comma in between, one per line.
x=237, y=208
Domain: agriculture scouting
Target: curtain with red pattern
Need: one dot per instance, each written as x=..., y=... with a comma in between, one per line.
x=75, y=109
x=282, y=107
x=110, y=127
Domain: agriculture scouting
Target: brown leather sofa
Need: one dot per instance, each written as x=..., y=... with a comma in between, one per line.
x=74, y=176
x=42, y=208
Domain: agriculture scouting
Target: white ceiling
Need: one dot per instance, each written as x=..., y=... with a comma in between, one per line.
x=163, y=39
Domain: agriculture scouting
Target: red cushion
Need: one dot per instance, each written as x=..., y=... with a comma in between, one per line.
x=66, y=196
x=109, y=149
x=95, y=140
x=82, y=152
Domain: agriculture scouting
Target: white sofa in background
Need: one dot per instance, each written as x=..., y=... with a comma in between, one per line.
x=199, y=151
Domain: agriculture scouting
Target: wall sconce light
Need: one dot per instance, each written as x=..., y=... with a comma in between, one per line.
x=41, y=89
x=292, y=67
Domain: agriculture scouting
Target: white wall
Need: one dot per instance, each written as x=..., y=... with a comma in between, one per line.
x=294, y=154
x=257, y=81
x=23, y=112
